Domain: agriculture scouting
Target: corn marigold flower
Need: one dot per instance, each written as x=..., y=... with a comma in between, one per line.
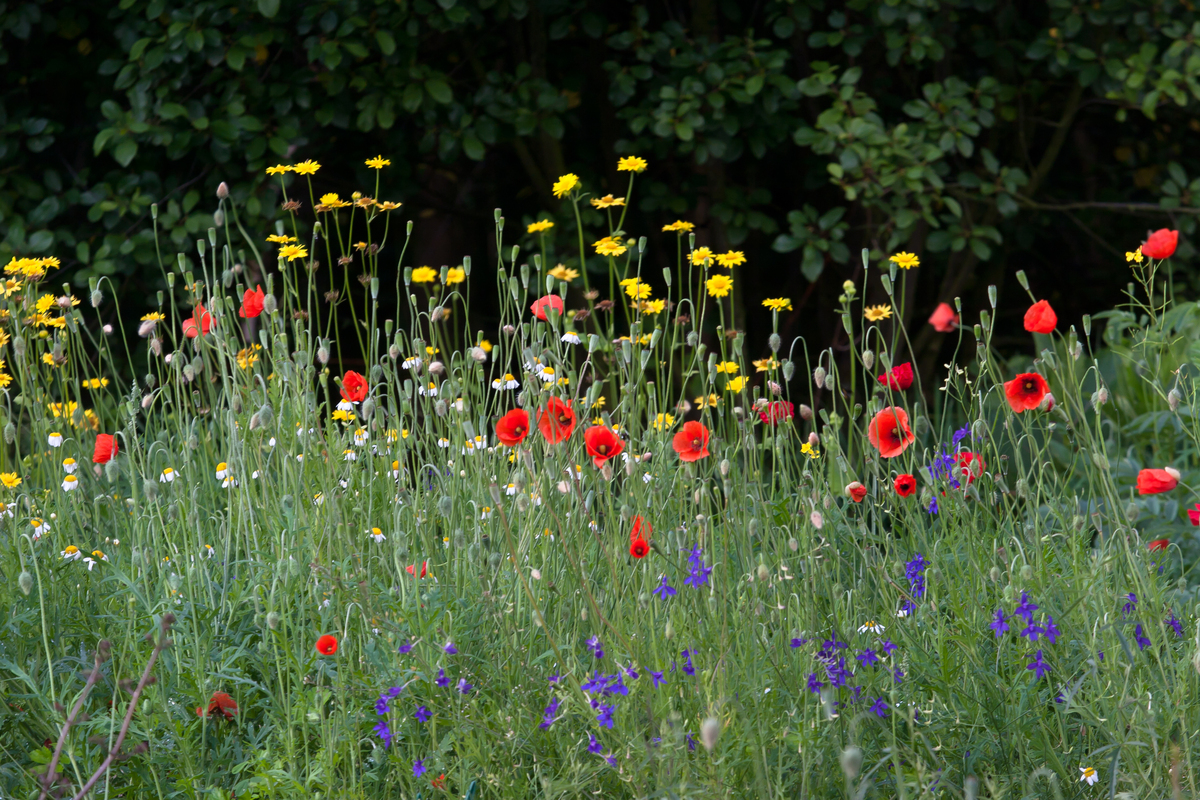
x=557, y=422
x=327, y=645
x=544, y=304
x=279, y=169
x=1157, y=481
x=905, y=260
x=106, y=449
x=278, y=238
x=631, y=164
x=943, y=319
x=539, y=227
x=736, y=384
x=354, y=387
x=563, y=274
x=678, y=226
x=455, y=275
x=899, y=378
x=888, y=431
x=424, y=275
x=1040, y=318
x=719, y=285
x=1160, y=244
x=733, y=258
x=290, y=252
x=11, y=480
x=565, y=184
x=608, y=201
x=378, y=162
x=1025, y=392
x=876, y=313
x=513, y=427
x=610, y=246
x=906, y=485
x=602, y=443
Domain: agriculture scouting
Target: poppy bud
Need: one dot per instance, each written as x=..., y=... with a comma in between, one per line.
x=724, y=467
x=793, y=545
x=10, y=433
x=1077, y=350
x=1131, y=513
x=270, y=304
x=150, y=489
x=829, y=381
x=774, y=342
x=445, y=505
x=819, y=377
x=97, y=298
x=1026, y=572
x=763, y=573
x=813, y=438
x=222, y=190
x=19, y=347
x=1196, y=661
x=1099, y=397
x=437, y=367
x=669, y=633
x=806, y=413
x=1173, y=398
x=440, y=408
x=478, y=355
x=25, y=582
x=994, y=574
x=323, y=355
x=219, y=218
x=817, y=520
x=147, y=328
x=108, y=329
x=509, y=330
x=868, y=359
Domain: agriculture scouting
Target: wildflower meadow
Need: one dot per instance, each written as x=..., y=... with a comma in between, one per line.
x=263, y=542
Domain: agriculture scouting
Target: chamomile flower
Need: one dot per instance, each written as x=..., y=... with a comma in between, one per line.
x=871, y=626
x=69, y=465
x=349, y=455
x=71, y=553
x=443, y=442
x=547, y=374
x=222, y=470
x=39, y=527
x=505, y=383
x=412, y=362
x=429, y=390
x=459, y=405
x=1088, y=775
x=229, y=483
x=510, y=489
x=360, y=437
x=571, y=337
x=344, y=412
x=376, y=535
x=485, y=512
x=168, y=475
x=70, y=483
x=478, y=443
x=208, y=551
x=318, y=499
x=55, y=439
x=396, y=470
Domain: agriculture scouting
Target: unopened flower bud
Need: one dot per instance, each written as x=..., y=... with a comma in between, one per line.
x=273, y=620
x=994, y=574
x=112, y=471
x=147, y=328
x=710, y=731
x=669, y=634
x=763, y=573
x=150, y=489
x=851, y=761
x=107, y=330
x=793, y=545
x=270, y=304
x=868, y=359
x=816, y=519
x=774, y=342
x=1047, y=403
x=147, y=400
x=509, y=330
x=10, y=433
x=97, y=298
x=19, y=346
x=25, y=582
x=219, y=218
x=478, y=355
x=1173, y=398
x=806, y=413
x=1131, y=513
x=724, y=467
x=813, y=438
x=437, y=367
x=1077, y=350
x=440, y=408
x=774, y=387
x=1026, y=572
x=1099, y=397
x=819, y=377
x=222, y=190
x=323, y=355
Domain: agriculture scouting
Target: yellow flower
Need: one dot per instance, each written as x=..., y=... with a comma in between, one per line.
x=733, y=258
x=905, y=260
x=5, y=380
x=342, y=415
x=485, y=346
x=363, y=202
x=538, y=227
x=778, y=303
x=50, y=261
x=663, y=421
x=247, y=357
x=735, y=384
x=700, y=255
x=95, y=383
x=11, y=286
x=455, y=275
x=632, y=164
x=10, y=479
x=678, y=226
x=387, y=205
x=608, y=201
x=729, y=367
x=599, y=402
x=610, y=246
x=47, y=358
x=719, y=285
x=291, y=252
x=764, y=364
x=876, y=313
x=563, y=274
x=306, y=167
x=278, y=169
x=153, y=316
x=710, y=401
x=378, y=162
x=333, y=201
x=276, y=238
x=1136, y=255
x=424, y=275
x=651, y=306
x=636, y=289
x=810, y=451
x=44, y=303
x=565, y=184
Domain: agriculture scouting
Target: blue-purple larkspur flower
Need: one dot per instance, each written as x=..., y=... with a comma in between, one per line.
x=442, y=680
x=889, y=646
x=880, y=708
x=1175, y=625
x=664, y=591
x=1142, y=641
x=1050, y=630
x=656, y=679
x=553, y=679
x=597, y=684
x=630, y=672
x=463, y=687
x=418, y=768
x=1026, y=608
x=932, y=508
x=897, y=676
x=1032, y=631
x=814, y=685
x=999, y=623
x=406, y=648
x=384, y=733
x=596, y=646
x=616, y=685
x=1131, y=602
x=449, y=649
x=381, y=705
x=604, y=718
x=1038, y=666
x=594, y=746
x=688, y=669
x=549, y=715
x=800, y=642
x=867, y=658
x=422, y=714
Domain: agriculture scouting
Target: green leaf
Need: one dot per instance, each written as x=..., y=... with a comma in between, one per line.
x=138, y=48
x=473, y=147
x=125, y=150
x=102, y=139
x=268, y=8
x=235, y=57
x=684, y=131
x=813, y=264
x=41, y=241
x=387, y=44
x=195, y=41
x=439, y=90
x=754, y=84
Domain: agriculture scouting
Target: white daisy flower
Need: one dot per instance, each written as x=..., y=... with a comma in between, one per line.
x=458, y=405
x=485, y=512
x=360, y=437
x=396, y=469
x=1088, y=775
x=254, y=475
x=71, y=553
x=7, y=509
x=871, y=626
x=570, y=337
x=346, y=405
x=510, y=489
x=39, y=527
x=222, y=470
x=70, y=466
x=443, y=442
x=376, y=535
x=349, y=455
x=505, y=383
x=547, y=374
x=318, y=499
x=412, y=362
x=229, y=483
x=647, y=477
x=429, y=390
x=55, y=439
x=70, y=483
x=271, y=442
x=90, y=563
x=167, y=476
x=208, y=551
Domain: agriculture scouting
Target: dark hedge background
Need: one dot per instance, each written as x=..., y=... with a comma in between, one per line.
x=985, y=136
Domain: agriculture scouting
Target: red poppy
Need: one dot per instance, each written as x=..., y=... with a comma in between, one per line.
x=602, y=444
x=1161, y=244
x=639, y=548
x=1040, y=318
x=106, y=449
x=889, y=432
x=439, y=782
x=219, y=705
x=691, y=443
x=970, y=467
x=557, y=422
x=900, y=378
x=943, y=319
x=252, y=302
x=776, y=412
x=412, y=569
x=513, y=427
x=1157, y=481
x=905, y=485
x=640, y=528
x=1194, y=514
x=189, y=325
x=327, y=645
x=1158, y=545
x=1026, y=391
x=856, y=491
x=354, y=387
x=543, y=304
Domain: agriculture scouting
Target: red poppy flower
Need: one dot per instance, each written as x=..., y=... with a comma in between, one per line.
x=439, y=782
x=327, y=645
x=513, y=427
x=641, y=529
x=219, y=705
x=106, y=449
x=252, y=302
x=1158, y=545
x=1194, y=514
x=691, y=443
x=970, y=467
x=639, y=548
x=557, y=422
x=943, y=319
x=354, y=387
x=776, y=412
x=900, y=378
x=1157, y=481
x=543, y=304
x=1026, y=391
x=412, y=569
x=1161, y=244
x=1040, y=318
x=602, y=444
x=905, y=485
x=890, y=433
x=856, y=491
x=189, y=325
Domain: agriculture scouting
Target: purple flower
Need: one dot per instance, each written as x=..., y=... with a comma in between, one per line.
x=1140, y=638
x=1032, y=631
x=594, y=746
x=611, y=759
x=449, y=649
x=406, y=648
x=897, y=676
x=814, y=685
x=418, y=768
x=1038, y=666
x=960, y=434
x=384, y=732
x=657, y=679
x=1026, y=609
x=1051, y=631
x=381, y=705
x=889, y=647
x=867, y=658
x=548, y=716
x=999, y=624
x=596, y=646
x=688, y=669
x=463, y=686
x=664, y=591
x=630, y=672
x=1130, y=603
x=553, y=679
x=616, y=685
x=597, y=684
x=691, y=742
x=1176, y=626
x=422, y=714
x=933, y=506
x=914, y=571
x=442, y=680
x=837, y=672
x=800, y=642
x=699, y=572
x=395, y=691
x=605, y=716
x=880, y=707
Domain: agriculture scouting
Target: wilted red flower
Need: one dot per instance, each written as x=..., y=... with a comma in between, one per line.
x=543, y=304
x=513, y=427
x=1161, y=244
x=1026, y=391
x=1157, y=481
x=602, y=444
x=856, y=491
x=943, y=319
x=354, y=387
x=252, y=302
x=189, y=325
x=905, y=485
x=327, y=645
x=900, y=377
x=889, y=432
x=1040, y=318
x=970, y=467
x=219, y=705
x=557, y=422
x=412, y=569
x=691, y=443
x=1158, y=545
x=106, y=448
x=776, y=412
x=439, y=782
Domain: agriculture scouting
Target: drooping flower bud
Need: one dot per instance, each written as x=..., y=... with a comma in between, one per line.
x=222, y=190
x=819, y=377
x=25, y=582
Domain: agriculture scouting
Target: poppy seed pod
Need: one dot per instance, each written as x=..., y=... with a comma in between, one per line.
x=25, y=582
